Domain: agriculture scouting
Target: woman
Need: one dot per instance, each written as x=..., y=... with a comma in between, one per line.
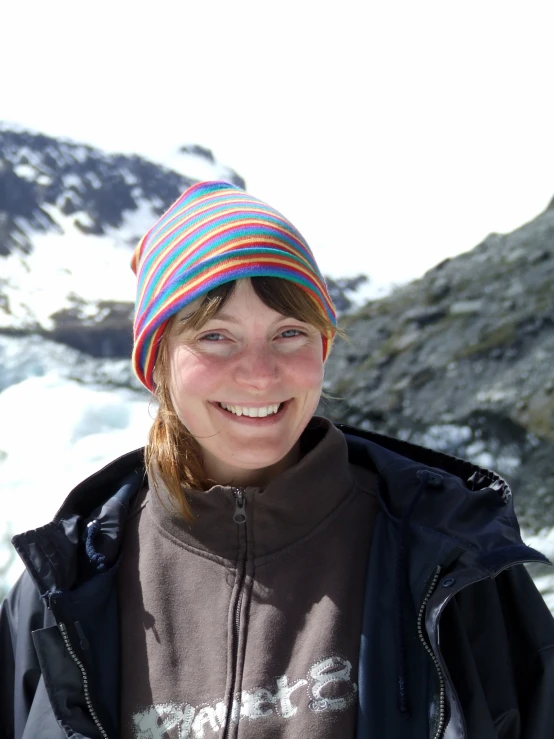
x=259, y=571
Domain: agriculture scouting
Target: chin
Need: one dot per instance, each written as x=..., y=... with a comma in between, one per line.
x=258, y=463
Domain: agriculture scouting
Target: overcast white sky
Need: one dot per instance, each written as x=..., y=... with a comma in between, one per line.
x=392, y=133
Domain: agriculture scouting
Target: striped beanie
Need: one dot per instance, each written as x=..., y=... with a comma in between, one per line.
x=214, y=233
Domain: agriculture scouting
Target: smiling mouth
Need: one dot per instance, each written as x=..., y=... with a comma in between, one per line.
x=261, y=412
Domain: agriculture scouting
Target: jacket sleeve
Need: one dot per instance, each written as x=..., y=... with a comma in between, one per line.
x=20, y=613
x=497, y=638
x=7, y=667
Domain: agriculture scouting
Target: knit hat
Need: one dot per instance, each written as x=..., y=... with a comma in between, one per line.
x=214, y=233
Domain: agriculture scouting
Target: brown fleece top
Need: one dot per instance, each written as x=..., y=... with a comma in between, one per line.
x=261, y=617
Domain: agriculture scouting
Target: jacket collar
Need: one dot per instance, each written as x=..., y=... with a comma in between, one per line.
x=471, y=505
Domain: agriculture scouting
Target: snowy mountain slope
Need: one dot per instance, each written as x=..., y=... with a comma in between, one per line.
x=70, y=216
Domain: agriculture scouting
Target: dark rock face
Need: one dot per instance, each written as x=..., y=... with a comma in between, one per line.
x=463, y=360
x=198, y=150
x=108, y=335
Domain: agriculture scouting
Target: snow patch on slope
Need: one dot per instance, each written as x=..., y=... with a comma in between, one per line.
x=70, y=265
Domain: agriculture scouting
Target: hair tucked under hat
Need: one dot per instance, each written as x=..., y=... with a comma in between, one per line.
x=214, y=233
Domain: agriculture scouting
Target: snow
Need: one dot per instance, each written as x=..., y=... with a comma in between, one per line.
x=94, y=180
x=72, y=181
x=58, y=154
x=135, y=224
x=80, y=153
x=70, y=263
x=129, y=178
x=84, y=219
x=446, y=436
x=196, y=166
x=33, y=356
x=62, y=154
x=26, y=172
x=60, y=432
x=31, y=155
x=6, y=125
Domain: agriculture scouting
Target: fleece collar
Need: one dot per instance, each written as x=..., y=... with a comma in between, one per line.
x=280, y=514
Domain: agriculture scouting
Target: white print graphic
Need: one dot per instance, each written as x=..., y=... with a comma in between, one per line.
x=155, y=722
x=328, y=672
x=328, y=683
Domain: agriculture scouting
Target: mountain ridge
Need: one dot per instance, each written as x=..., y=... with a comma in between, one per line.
x=462, y=359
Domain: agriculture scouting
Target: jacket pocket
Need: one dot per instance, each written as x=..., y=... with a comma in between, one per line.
x=41, y=722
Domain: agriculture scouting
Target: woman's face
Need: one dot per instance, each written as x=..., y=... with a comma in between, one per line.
x=248, y=358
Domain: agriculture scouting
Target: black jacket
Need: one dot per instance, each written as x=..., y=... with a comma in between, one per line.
x=456, y=640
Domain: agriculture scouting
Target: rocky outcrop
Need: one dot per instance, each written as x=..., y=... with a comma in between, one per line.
x=463, y=360
x=107, y=333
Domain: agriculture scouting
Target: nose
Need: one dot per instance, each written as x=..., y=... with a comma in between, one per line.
x=257, y=367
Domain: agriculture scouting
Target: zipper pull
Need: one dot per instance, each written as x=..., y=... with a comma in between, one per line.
x=83, y=641
x=240, y=506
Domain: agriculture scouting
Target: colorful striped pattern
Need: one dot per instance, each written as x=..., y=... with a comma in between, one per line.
x=214, y=233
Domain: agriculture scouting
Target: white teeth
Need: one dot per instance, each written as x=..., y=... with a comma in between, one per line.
x=268, y=410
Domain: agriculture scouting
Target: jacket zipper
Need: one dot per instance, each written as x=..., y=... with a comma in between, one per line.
x=421, y=614
x=239, y=517
x=63, y=630
x=423, y=640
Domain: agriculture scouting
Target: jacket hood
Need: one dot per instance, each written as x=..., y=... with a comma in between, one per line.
x=452, y=497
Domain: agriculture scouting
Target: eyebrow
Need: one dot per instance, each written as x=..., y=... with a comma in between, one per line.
x=224, y=317
x=231, y=319
x=216, y=317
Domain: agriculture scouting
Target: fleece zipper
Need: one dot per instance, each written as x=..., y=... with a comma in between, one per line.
x=239, y=517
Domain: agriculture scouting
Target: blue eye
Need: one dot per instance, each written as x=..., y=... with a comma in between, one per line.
x=209, y=337
x=294, y=331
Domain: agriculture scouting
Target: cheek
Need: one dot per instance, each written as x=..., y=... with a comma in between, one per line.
x=305, y=371
x=191, y=376
x=189, y=385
